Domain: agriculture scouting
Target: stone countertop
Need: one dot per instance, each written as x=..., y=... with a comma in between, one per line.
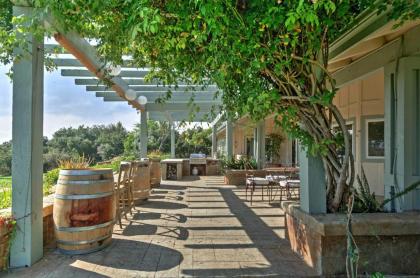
x=334, y=224
x=174, y=160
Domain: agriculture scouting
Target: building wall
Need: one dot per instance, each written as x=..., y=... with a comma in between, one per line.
x=358, y=101
x=244, y=128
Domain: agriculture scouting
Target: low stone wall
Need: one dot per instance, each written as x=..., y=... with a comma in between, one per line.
x=388, y=242
x=238, y=177
x=48, y=221
x=213, y=168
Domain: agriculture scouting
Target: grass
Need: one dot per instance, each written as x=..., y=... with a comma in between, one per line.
x=6, y=191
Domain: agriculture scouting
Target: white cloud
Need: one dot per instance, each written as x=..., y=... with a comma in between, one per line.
x=5, y=128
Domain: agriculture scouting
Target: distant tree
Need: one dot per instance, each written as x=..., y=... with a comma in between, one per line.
x=193, y=140
x=158, y=136
x=6, y=158
x=98, y=142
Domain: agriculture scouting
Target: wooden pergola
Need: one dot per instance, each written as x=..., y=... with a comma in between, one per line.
x=191, y=103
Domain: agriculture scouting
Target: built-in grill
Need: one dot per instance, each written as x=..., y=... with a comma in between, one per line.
x=198, y=164
x=198, y=158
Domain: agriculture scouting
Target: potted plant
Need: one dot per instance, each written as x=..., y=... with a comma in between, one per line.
x=7, y=231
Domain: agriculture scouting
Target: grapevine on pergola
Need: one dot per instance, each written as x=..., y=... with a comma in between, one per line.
x=267, y=56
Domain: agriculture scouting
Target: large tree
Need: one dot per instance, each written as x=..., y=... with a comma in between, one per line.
x=267, y=56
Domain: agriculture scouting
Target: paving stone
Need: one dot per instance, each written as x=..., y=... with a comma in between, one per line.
x=209, y=232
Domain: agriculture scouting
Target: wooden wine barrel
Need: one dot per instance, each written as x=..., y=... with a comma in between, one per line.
x=155, y=172
x=84, y=210
x=141, y=180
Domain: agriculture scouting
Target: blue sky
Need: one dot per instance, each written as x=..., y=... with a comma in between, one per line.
x=65, y=104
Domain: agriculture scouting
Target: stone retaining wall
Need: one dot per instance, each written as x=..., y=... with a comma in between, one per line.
x=47, y=219
x=238, y=177
x=388, y=242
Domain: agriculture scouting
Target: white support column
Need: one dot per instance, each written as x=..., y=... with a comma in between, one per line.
x=143, y=134
x=172, y=141
x=260, y=144
x=229, y=139
x=312, y=184
x=214, y=142
x=402, y=132
x=28, y=93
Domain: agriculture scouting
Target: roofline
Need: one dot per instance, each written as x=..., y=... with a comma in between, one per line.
x=366, y=23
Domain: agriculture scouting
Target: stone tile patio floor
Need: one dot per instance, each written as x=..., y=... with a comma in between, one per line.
x=187, y=228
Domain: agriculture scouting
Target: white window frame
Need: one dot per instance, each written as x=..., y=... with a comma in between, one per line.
x=366, y=139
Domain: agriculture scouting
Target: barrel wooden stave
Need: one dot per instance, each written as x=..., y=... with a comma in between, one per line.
x=84, y=210
x=155, y=172
x=141, y=180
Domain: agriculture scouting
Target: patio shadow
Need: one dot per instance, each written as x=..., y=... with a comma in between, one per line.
x=163, y=205
x=278, y=259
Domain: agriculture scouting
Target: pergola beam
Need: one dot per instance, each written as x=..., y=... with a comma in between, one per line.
x=176, y=96
x=203, y=107
x=88, y=56
x=71, y=62
x=176, y=106
x=141, y=73
x=152, y=88
x=130, y=81
x=178, y=116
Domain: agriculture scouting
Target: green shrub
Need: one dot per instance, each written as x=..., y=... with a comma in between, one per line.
x=114, y=165
x=51, y=177
x=5, y=192
x=50, y=180
x=239, y=164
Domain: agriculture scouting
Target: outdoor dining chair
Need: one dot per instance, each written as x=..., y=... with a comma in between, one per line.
x=252, y=182
x=290, y=186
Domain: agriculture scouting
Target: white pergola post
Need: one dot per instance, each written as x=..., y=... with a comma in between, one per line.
x=229, y=139
x=27, y=137
x=143, y=134
x=214, y=142
x=402, y=132
x=172, y=140
x=259, y=144
x=312, y=184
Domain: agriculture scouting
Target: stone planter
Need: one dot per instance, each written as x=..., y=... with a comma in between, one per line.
x=238, y=177
x=7, y=226
x=388, y=242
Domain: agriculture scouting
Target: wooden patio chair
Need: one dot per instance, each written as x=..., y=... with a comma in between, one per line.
x=122, y=188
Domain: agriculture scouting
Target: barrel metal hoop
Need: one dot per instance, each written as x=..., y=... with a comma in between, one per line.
x=83, y=196
x=81, y=252
x=85, y=172
x=65, y=242
x=89, y=182
x=82, y=229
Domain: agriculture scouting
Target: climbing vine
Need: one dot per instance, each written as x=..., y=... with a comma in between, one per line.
x=268, y=57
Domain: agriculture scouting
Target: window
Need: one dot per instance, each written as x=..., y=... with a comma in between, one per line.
x=375, y=144
x=249, y=145
x=221, y=147
x=268, y=149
